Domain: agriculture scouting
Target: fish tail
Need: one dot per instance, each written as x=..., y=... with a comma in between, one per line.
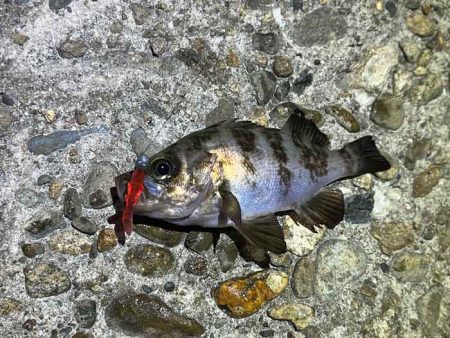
x=362, y=157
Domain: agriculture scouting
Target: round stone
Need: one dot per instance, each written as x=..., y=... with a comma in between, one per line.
x=303, y=278
x=69, y=242
x=72, y=204
x=393, y=236
x=266, y=42
x=148, y=260
x=43, y=223
x=344, y=117
x=420, y=24
x=282, y=66
x=31, y=250
x=85, y=225
x=106, y=240
x=45, y=280
x=387, y=111
x=426, y=89
x=424, y=183
x=71, y=49
x=160, y=235
x=410, y=266
x=169, y=286
x=86, y=313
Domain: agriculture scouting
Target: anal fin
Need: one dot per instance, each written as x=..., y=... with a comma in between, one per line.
x=326, y=208
x=265, y=233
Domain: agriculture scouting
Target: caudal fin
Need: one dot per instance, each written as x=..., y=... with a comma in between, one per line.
x=362, y=157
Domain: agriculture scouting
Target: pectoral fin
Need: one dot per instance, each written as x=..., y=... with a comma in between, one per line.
x=265, y=233
x=326, y=208
x=230, y=208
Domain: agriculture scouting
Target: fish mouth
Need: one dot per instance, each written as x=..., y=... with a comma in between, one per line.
x=122, y=188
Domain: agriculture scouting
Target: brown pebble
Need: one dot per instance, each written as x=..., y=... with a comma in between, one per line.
x=232, y=59
x=420, y=24
x=282, y=66
x=426, y=8
x=54, y=190
x=426, y=181
x=440, y=41
x=106, y=240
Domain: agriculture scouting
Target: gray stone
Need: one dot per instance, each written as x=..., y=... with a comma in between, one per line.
x=266, y=42
x=158, y=46
x=44, y=179
x=86, y=313
x=412, y=4
x=148, y=260
x=195, y=265
x=96, y=192
x=31, y=250
x=199, y=242
x=159, y=235
x=304, y=80
x=391, y=7
x=338, y=264
x=417, y=151
x=428, y=308
x=319, y=27
x=85, y=225
x=358, y=208
x=282, y=90
x=140, y=13
x=387, y=111
x=410, y=266
x=72, y=204
x=112, y=41
x=264, y=84
x=344, y=118
x=28, y=197
x=303, y=278
x=169, y=286
x=5, y=120
x=225, y=110
x=72, y=49
x=56, y=5
x=45, y=280
x=81, y=117
x=426, y=89
x=7, y=100
x=140, y=142
x=147, y=315
x=43, y=223
x=227, y=254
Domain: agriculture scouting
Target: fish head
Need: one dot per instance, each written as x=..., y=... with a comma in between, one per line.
x=176, y=182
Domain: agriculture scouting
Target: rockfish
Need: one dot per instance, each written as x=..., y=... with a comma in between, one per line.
x=242, y=175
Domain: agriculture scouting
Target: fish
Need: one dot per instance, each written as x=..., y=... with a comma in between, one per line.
x=242, y=175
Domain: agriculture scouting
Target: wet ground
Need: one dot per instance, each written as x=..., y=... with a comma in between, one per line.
x=85, y=85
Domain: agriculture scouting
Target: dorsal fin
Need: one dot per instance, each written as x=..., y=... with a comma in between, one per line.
x=235, y=123
x=305, y=130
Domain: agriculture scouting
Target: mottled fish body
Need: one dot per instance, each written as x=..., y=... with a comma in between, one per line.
x=239, y=174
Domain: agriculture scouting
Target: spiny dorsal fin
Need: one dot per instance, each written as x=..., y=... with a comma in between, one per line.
x=230, y=208
x=303, y=129
x=264, y=233
x=327, y=208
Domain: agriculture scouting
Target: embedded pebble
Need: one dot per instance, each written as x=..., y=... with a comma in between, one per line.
x=232, y=59
x=85, y=225
x=55, y=189
x=264, y=84
x=387, y=111
x=424, y=183
x=428, y=308
x=266, y=42
x=106, y=240
x=282, y=90
x=242, y=297
x=81, y=117
x=7, y=100
x=304, y=80
x=411, y=50
x=158, y=46
x=28, y=197
x=426, y=89
x=393, y=236
x=417, y=151
x=412, y=4
x=96, y=194
x=303, y=278
x=300, y=315
x=86, y=313
x=319, y=27
x=9, y=306
x=280, y=260
x=31, y=250
x=338, y=264
x=344, y=118
x=169, y=286
x=44, y=179
x=69, y=242
x=71, y=49
x=156, y=318
x=410, y=266
x=159, y=235
x=56, y=5
x=195, y=265
x=72, y=204
x=424, y=58
x=43, y=223
x=45, y=280
x=5, y=120
x=282, y=66
x=391, y=8
x=364, y=182
x=227, y=254
x=149, y=260
x=199, y=242
x=373, y=68
x=420, y=24
x=358, y=208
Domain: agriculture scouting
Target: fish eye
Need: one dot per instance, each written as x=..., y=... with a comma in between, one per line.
x=162, y=168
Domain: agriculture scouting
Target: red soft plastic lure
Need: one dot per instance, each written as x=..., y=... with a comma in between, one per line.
x=134, y=191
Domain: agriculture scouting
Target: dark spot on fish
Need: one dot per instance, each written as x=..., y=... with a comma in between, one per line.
x=315, y=159
x=200, y=139
x=276, y=144
x=246, y=139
